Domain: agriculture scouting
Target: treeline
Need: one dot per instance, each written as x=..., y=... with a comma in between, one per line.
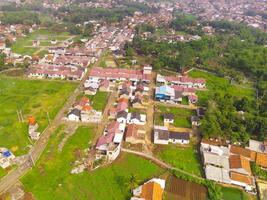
x=20, y=17
x=79, y=15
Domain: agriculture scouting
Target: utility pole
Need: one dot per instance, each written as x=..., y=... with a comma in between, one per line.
x=21, y=116
x=31, y=160
x=18, y=116
x=49, y=121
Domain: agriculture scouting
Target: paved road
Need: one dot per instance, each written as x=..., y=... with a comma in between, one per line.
x=13, y=177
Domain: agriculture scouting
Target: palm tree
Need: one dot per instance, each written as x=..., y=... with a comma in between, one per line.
x=133, y=182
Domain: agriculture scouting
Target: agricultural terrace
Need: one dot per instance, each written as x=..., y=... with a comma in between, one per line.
x=33, y=98
x=180, y=189
x=99, y=100
x=110, y=182
x=185, y=158
x=181, y=116
x=216, y=84
x=24, y=45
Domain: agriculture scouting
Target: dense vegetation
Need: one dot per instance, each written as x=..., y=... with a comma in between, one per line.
x=79, y=15
x=235, y=51
x=20, y=17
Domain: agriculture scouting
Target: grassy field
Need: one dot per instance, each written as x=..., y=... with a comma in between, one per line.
x=2, y=172
x=51, y=178
x=220, y=85
x=181, y=116
x=33, y=98
x=23, y=44
x=99, y=100
x=185, y=158
x=234, y=194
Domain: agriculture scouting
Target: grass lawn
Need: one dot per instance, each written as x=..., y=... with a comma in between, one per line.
x=32, y=97
x=185, y=158
x=2, y=172
x=99, y=100
x=220, y=85
x=181, y=116
x=234, y=194
x=22, y=44
x=51, y=178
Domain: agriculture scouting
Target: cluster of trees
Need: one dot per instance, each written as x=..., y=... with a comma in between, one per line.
x=85, y=30
x=234, y=51
x=223, y=120
x=186, y=23
x=20, y=17
x=79, y=15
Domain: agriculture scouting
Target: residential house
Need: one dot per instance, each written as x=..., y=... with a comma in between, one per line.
x=6, y=158
x=74, y=115
x=163, y=136
x=90, y=91
x=137, y=102
x=195, y=121
x=136, y=118
x=151, y=190
x=168, y=118
x=104, y=86
x=135, y=134
x=122, y=116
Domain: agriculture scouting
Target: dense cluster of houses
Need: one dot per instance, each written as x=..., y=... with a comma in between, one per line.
x=174, y=88
x=6, y=158
x=120, y=74
x=64, y=62
x=82, y=111
x=230, y=164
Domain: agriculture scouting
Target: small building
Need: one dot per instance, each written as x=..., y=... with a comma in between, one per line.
x=74, y=115
x=135, y=134
x=136, y=118
x=195, y=121
x=168, y=118
x=90, y=91
x=122, y=116
x=151, y=190
x=193, y=99
x=163, y=136
x=147, y=69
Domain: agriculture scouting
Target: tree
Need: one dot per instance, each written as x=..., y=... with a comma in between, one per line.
x=133, y=181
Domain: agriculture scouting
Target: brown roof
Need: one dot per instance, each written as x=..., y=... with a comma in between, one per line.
x=152, y=191
x=237, y=161
x=131, y=131
x=261, y=159
x=240, y=151
x=241, y=178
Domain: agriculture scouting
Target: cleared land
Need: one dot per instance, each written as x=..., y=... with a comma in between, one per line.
x=51, y=178
x=185, y=158
x=178, y=189
x=24, y=46
x=220, y=85
x=33, y=98
x=181, y=116
x=99, y=100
